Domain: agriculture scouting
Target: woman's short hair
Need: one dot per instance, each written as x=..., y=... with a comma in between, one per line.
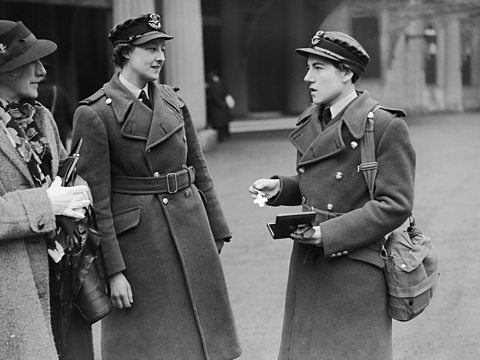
x=119, y=51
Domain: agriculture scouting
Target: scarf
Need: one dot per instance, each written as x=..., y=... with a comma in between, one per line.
x=26, y=137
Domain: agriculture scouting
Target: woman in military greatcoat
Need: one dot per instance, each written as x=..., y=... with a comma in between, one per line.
x=156, y=207
x=336, y=301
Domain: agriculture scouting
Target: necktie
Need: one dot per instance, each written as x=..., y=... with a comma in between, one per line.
x=327, y=115
x=143, y=97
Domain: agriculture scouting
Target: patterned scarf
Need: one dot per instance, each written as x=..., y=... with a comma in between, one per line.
x=27, y=138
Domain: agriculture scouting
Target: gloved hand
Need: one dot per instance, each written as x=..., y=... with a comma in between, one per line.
x=68, y=201
x=306, y=234
x=270, y=187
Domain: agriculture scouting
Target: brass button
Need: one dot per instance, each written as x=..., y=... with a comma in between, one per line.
x=301, y=170
x=339, y=175
x=156, y=174
x=329, y=207
x=339, y=254
x=370, y=115
x=353, y=145
x=345, y=252
x=333, y=255
x=108, y=101
x=165, y=201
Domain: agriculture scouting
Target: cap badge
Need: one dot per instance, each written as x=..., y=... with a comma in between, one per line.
x=154, y=21
x=317, y=37
x=3, y=49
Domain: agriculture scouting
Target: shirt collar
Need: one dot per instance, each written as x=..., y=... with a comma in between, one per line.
x=336, y=108
x=133, y=89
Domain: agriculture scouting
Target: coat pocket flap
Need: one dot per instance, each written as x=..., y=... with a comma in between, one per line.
x=369, y=256
x=126, y=219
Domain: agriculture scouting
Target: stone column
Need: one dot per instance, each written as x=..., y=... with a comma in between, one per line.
x=414, y=57
x=124, y=9
x=453, y=68
x=184, y=67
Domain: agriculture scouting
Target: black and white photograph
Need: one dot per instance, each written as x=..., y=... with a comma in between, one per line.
x=239, y=179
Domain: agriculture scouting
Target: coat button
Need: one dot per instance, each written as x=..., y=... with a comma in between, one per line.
x=184, y=139
x=339, y=175
x=353, y=145
x=156, y=174
x=187, y=193
x=108, y=101
x=339, y=254
x=165, y=201
x=333, y=255
x=329, y=207
x=370, y=115
x=301, y=170
x=345, y=252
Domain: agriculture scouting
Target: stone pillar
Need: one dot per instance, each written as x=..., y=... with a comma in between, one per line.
x=297, y=95
x=184, y=66
x=234, y=62
x=124, y=9
x=453, y=74
x=414, y=58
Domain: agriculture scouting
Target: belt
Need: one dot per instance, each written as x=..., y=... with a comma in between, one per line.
x=169, y=183
x=325, y=214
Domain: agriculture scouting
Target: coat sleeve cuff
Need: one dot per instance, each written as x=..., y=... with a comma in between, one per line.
x=38, y=209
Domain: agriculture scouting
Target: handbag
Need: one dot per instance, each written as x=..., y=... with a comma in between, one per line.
x=83, y=270
x=411, y=260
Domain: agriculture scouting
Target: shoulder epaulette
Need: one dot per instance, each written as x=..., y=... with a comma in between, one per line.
x=396, y=112
x=93, y=98
x=172, y=92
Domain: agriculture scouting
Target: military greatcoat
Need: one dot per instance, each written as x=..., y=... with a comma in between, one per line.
x=336, y=302
x=163, y=242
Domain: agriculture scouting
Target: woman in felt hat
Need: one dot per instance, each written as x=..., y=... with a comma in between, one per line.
x=30, y=196
x=162, y=224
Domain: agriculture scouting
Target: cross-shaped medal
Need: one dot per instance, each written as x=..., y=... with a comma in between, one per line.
x=261, y=199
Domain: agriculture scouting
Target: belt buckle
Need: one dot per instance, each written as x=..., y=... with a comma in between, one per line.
x=169, y=189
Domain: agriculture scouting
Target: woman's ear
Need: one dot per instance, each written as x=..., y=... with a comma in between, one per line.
x=348, y=74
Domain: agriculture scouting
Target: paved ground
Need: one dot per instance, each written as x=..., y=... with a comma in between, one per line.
x=447, y=207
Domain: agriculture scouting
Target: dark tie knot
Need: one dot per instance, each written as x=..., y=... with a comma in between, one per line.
x=143, y=97
x=327, y=115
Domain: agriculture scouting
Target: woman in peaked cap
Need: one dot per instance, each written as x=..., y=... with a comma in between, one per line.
x=162, y=224
x=30, y=197
x=336, y=298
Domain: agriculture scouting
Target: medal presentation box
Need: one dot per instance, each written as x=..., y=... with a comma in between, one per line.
x=285, y=224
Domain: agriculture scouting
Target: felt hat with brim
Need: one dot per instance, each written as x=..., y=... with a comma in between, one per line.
x=139, y=30
x=339, y=47
x=19, y=46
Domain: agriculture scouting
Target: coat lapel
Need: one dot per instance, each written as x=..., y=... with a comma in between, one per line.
x=12, y=154
x=314, y=144
x=128, y=110
x=167, y=118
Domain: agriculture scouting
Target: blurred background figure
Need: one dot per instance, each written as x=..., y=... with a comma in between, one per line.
x=55, y=98
x=219, y=106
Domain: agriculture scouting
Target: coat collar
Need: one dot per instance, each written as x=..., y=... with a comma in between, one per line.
x=41, y=118
x=139, y=122
x=330, y=141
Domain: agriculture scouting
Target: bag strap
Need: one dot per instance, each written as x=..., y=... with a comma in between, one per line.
x=369, y=165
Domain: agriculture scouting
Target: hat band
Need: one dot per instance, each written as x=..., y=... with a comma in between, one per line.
x=15, y=42
x=337, y=50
